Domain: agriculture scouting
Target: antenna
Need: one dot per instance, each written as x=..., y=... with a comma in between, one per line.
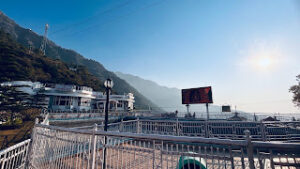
x=44, y=42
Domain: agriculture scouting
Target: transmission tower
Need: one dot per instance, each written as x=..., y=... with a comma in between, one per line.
x=29, y=47
x=44, y=42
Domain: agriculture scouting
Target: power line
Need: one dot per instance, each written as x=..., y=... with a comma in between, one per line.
x=117, y=18
x=92, y=17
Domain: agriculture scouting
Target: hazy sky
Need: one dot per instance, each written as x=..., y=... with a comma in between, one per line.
x=248, y=51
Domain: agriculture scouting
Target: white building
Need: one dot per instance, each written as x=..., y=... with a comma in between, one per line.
x=73, y=98
x=116, y=102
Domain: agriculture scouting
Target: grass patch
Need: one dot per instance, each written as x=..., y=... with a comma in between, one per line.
x=12, y=136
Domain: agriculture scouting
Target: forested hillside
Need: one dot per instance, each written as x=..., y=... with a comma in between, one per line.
x=17, y=64
x=70, y=57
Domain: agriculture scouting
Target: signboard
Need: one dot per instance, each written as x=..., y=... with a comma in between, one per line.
x=197, y=95
x=226, y=109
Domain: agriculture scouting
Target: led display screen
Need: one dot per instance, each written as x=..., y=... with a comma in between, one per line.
x=197, y=95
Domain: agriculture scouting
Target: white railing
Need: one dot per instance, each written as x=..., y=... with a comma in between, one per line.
x=75, y=111
x=127, y=146
x=260, y=131
x=15, y=156
x=57, y=147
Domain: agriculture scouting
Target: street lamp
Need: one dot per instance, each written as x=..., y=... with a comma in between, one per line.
x=108, y=84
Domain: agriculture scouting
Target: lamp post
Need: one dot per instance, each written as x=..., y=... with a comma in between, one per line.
x=108, y=84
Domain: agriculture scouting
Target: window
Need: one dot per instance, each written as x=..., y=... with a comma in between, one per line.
x=62, y=100
x=84, y=102
x=101, y=105
x=65, y=101
x=120, y=104
x=56, y=100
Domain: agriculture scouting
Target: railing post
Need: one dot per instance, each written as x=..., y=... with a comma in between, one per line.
x=177, y=127
x=93, y=148
x=138, y=130
x=262, y=131
x=29, y=153
x=249, y=149
x=206, y=129
x=121, y=126
x=153, y=156
x=102, y=125
x=233, y=136
x=287, y=135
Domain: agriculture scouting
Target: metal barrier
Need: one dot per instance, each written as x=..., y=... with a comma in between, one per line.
x=260, y=131
x=263, y=131
x=153, y=144
x=57, y=147
x=14, y=156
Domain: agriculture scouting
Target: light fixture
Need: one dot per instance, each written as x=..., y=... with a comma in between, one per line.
x=108, y=83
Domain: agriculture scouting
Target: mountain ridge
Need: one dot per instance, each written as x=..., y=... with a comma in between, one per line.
x=165, y=97
x=17, y=64
x=70, y=57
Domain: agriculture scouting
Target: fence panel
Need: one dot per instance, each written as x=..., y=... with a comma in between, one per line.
x=260, y=131
x=57, y=147
x=14, y=156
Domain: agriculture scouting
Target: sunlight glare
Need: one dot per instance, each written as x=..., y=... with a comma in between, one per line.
x=264, y=62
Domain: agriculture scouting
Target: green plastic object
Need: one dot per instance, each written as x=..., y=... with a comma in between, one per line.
x=188, y=162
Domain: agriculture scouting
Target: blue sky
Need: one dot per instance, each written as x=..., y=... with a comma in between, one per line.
x=248, y=51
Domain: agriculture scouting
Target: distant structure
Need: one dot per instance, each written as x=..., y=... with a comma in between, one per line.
x=69, y=98
x=29, y=47
x=270, y=119
x=236, y=117
x=44, y=42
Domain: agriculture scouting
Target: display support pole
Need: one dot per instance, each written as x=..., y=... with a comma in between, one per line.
x=207, y=112
x=188, y=108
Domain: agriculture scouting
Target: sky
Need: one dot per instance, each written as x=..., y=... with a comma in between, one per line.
x=248, y=50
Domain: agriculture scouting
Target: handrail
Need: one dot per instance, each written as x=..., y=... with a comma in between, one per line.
x=223, y=121
x=279, y=145
x=14, y=146
x=260, y=131
x=15, y=156
x=149, y=136
x=175, y=138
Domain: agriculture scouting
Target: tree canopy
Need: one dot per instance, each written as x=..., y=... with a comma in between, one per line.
x=295, y=89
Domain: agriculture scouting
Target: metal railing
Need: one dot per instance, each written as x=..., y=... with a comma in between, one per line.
x=14, y=156
x=127, y=145
x=260, y=131
x=57, y=147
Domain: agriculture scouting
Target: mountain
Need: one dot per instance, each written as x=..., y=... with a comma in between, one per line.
x=70, y=57
x=166, y=98
x=169, y=99
x=17, y=64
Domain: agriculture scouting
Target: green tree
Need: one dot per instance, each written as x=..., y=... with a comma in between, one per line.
x=295, y=89
x=13, y=101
